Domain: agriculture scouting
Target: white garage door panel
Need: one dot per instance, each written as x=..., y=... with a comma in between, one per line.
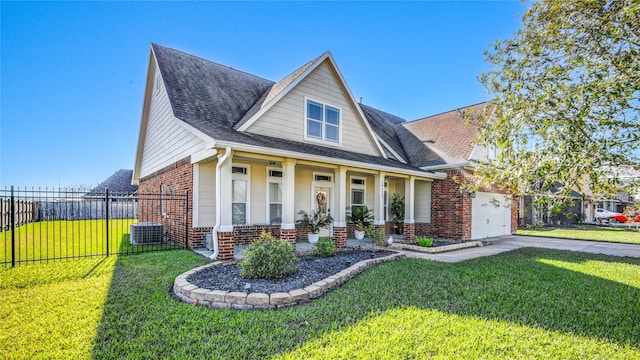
x=487, y=219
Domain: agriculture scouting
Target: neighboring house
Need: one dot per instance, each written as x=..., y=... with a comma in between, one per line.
x=581, y=210
x=584, y=208
x=119, y=185
x=252, y=153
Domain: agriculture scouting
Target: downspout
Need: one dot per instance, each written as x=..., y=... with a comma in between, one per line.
x=214, y=232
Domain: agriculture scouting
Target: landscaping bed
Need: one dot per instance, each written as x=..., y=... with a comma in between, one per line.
x=312, y=269
x=220, y=285
x=438, y=246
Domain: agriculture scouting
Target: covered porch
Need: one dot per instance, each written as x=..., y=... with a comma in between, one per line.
x=258, y=192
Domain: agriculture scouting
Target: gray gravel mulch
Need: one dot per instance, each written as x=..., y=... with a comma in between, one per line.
x=227, y=277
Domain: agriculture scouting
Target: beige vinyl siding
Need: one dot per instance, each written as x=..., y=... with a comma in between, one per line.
x=258, y=211
x=304, y=178
x=422, y=204
x=166, y=141
x=286, y=119
x=206, y=190
x=395, y=186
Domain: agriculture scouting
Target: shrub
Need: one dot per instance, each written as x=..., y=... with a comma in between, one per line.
x=424, y=241
x=325, y=247
x=378, y=237
x=268, y=258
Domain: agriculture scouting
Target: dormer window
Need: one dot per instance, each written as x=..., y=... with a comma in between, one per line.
x=322, y=122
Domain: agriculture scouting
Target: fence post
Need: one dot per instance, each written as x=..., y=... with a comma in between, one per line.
x=13, y=229
x=107, y=218
x=186, y=222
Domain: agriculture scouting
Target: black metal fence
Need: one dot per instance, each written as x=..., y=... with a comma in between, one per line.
x=42, y=225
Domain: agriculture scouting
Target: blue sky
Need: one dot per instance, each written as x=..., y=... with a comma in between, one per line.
x=73, y=73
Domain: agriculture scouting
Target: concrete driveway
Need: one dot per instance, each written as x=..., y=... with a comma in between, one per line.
x=508, y=243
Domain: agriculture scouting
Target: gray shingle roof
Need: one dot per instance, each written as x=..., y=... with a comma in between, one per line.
x=118, y=183
x=204, y=94
x=213, y=98
x=384, y=124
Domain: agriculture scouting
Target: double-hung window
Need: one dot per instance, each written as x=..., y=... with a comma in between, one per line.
x=357, y=193
x=240, y=194
x=322, y=122
x=274, y=193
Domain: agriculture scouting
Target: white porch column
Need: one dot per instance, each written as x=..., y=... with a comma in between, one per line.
x=288, y=194
x=226, y=197
x=339, y=212
x=378, y=202
x=409, y=195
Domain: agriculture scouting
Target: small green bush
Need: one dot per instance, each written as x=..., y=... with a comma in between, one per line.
x=378, y=238
x=424, y=241
x=268, y=258
x=325, y=247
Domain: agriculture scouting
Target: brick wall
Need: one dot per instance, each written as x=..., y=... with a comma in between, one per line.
x=225, y=245
x=288, y=235
x=178, y=179
x=197, y=237
x=340, y=236
x=245, y=235
x=424, y=229
x=450, y=208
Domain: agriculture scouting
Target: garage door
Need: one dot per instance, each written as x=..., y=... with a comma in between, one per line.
x=490, y=215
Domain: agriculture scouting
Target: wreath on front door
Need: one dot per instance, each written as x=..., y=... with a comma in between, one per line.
x=321, y=199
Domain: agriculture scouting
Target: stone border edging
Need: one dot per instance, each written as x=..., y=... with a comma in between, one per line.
x=190, y=293
x=437, y=249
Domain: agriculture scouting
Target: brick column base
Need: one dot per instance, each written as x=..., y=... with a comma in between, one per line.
x=288, y=235
x=225, y=245
x=340, y=236
x=410, y=231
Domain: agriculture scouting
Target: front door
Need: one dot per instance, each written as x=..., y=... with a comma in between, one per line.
x=322, y=204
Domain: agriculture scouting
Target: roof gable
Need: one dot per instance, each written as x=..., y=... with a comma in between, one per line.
x=319, y=88
x=447, y=138
x=213, y=101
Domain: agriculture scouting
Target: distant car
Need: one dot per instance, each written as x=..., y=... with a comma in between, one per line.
x=612, y=217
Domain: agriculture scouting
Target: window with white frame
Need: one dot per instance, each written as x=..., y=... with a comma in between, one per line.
x=240, y=194
x=322, y=122
x=358, y=194
x=386, y=201
x=164, y=191
x=274, y=196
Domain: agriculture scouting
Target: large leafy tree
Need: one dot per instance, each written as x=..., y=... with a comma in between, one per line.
x=566, y=110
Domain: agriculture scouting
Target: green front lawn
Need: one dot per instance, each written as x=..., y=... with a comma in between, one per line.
x=531, y=303
x=593, y=233
x=66, y=238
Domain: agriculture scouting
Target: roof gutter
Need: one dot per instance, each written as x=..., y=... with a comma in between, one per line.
x=446, y=166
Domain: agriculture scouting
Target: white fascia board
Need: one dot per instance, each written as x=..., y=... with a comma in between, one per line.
x=447, y=166
x=203, y=155
x=144, y=118
x=330, y=160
